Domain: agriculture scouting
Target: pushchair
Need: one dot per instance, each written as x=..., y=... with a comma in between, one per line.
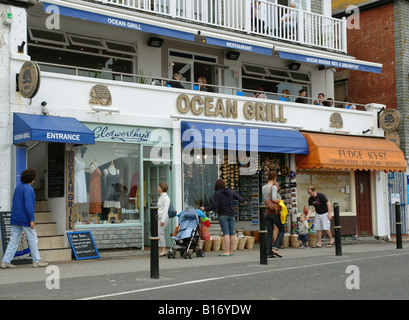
x=187, y=236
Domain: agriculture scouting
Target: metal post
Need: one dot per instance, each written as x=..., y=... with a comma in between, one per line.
x=263, y=236
x=337, y=227
x=154, y=238
x=398, y=223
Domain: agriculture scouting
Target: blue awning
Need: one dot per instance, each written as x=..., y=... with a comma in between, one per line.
x=114, y=21
x=33, y=127
x=346, y=63
x=241, y=138
x=239, y=46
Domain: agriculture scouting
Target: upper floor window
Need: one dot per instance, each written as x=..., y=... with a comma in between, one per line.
x=93, y=57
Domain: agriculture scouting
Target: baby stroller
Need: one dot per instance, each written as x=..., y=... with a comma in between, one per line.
x=187, y=237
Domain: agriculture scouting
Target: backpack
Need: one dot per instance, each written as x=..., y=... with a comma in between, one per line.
x=171, y=212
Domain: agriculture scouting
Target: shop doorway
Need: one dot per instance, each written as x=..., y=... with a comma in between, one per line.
x=154, y=175
x=363, y=203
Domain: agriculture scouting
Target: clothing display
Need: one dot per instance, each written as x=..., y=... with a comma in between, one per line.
x=95, y=203
x=112, y=194
x=80, y=181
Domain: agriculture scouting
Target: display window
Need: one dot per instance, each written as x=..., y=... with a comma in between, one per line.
x=335, y=185
x=107, y=183
x=201, y=175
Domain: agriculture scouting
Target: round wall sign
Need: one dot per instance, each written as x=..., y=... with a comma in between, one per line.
x=389, y=120
x=29, y=79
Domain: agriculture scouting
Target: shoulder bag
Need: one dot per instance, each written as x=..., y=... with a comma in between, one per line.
x=271, y=206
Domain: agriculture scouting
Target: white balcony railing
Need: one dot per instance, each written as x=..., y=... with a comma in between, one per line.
x=251, y=16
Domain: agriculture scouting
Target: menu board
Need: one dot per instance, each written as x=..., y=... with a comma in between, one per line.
x=83, y=245
x=56, y=156
x=23, y=254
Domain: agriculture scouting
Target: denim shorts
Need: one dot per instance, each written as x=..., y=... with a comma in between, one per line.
x=227, y=224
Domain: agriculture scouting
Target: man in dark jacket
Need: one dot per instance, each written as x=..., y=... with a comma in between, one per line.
x=223, y=202
x=22, y=220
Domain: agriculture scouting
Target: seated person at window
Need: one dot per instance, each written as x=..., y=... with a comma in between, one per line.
x=321, y=100
x=286, y=95
x=302, y=94
x=175, y=82
x=259, y=93
x=202, y=85
x=348, y=104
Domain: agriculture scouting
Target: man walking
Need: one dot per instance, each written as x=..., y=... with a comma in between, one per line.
x=322, y=216
x=22, y=220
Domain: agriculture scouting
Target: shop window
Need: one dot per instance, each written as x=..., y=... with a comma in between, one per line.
x=335, y=185
x=107, y=183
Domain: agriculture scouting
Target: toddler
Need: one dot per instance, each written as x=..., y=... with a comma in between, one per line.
x=303, y=231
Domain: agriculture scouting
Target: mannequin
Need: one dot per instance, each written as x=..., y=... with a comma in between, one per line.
x=95, y=203
x=112, y=195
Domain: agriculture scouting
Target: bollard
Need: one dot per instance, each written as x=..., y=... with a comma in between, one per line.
x=263, y=236
x=398, y=224
x=154, y=238
x=337, y=227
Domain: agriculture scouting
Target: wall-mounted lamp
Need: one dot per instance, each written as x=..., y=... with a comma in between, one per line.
x=232, y=55
x=321, y=67
x=294, y=66
x=105, y=109
x=20, y=48
x=155, y=42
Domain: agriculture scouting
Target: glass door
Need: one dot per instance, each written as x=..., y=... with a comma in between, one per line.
x=156, y=174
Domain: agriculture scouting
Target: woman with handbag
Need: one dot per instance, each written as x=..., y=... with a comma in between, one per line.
x=223, y=202
x=163, y=217
x=273, y=210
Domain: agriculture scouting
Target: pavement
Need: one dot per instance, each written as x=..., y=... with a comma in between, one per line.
x=136, y=260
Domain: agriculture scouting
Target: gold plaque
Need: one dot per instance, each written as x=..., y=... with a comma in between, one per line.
x=336, y=121
x=389, y=120
x=100, y=94
x=29, y=79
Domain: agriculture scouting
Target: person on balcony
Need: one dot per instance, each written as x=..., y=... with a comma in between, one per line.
x=175, y=82
x=321, y=100
x=259, y=94
x=202, y=85
x=289, y=22
x=257, y=25
x=348, y=104
x=286, y=95
x=302, y=94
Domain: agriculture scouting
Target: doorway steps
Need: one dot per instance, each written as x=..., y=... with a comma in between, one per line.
x=50, y=244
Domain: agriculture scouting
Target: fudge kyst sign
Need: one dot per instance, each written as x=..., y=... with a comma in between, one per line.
x=229, y=109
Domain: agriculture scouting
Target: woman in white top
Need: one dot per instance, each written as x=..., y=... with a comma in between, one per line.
x=163, y=218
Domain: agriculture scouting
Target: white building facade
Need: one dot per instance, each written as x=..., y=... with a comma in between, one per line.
x=108, y=65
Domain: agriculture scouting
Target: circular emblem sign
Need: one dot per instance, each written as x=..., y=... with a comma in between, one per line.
x=393, y=136
x=389, y=120
x=29, y=79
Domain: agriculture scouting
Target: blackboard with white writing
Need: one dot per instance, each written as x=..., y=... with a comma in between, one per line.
x=83, y=245
x=23, y=254
x=56, y=169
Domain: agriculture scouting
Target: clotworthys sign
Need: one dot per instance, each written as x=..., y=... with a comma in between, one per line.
x=229, y=109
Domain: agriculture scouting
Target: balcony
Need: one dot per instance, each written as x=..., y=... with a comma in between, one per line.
x=252, y=17
x=146, y=101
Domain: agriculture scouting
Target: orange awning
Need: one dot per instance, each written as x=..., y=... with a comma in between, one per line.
x=339, y=152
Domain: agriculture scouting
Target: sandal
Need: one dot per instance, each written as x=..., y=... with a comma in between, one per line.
x=329, y=245
x=277, y=254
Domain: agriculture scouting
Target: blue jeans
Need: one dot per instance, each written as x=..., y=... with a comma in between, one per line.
x=227, y=224
x=271, y=220
x=15, y=236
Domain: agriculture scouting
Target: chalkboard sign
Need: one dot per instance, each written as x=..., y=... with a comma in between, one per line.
x=23, y=254
x=56, y=156
x=83, y=245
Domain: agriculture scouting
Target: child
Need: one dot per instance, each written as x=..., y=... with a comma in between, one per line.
x=303, y=231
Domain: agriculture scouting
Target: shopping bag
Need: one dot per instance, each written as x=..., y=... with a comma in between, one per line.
x=205, y=234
